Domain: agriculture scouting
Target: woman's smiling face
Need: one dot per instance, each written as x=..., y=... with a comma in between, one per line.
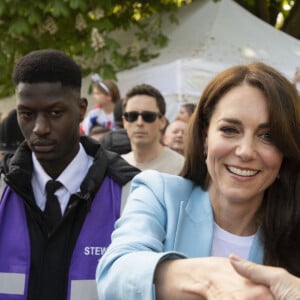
x=241, y=159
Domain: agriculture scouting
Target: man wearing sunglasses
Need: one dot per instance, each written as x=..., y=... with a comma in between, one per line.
x=144, y=119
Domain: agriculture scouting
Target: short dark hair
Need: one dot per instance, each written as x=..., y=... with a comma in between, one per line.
x=47, y=65
x=118, y=112
x=189, y=107
x=149, y=90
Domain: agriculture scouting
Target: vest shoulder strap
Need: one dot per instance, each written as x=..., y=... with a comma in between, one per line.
x=124, y=195
x=2, y=186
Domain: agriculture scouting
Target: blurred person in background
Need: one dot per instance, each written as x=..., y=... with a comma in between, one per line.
x=296, y=79
x=97, y=132
x=117, y=139
x=106, y=94
x=144, y=119
x=185, y=111
x=174, y=136
x=10, y=133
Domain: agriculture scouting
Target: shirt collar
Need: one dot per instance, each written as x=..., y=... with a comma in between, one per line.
x=72, y=175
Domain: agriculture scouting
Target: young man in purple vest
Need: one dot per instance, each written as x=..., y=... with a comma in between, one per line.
x=43, y=256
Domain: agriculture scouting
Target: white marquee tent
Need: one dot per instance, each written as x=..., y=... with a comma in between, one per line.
x=210, y=37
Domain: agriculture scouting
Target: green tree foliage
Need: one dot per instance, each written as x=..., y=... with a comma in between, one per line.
x=91, y=30
x=283, y=14
x=84, y=29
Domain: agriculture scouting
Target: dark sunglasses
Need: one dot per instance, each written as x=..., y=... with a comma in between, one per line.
x=147, y=116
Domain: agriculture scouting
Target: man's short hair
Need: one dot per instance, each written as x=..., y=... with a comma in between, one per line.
x=149, y=90
x=47, y=65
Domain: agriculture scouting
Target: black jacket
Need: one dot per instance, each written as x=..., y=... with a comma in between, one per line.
x=116, y=141
x=51, y=254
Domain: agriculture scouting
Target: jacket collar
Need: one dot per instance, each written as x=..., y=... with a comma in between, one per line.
x=196, y=218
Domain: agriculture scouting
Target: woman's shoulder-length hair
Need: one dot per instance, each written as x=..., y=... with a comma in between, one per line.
x=284, y=115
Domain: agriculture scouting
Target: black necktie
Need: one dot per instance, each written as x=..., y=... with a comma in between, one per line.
x=52, y=210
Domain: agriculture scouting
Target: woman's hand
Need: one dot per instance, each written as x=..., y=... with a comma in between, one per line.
x=211, y=278
x=282, y=284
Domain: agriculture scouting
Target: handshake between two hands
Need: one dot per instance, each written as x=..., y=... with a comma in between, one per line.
x=281, y=284
x=217, y=278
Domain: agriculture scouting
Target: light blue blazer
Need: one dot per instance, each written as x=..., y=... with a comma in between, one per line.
x=166, y=216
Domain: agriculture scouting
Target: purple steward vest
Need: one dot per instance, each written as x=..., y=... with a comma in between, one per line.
x=94, y=238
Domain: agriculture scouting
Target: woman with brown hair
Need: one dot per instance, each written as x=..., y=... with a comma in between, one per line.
x=239, y=192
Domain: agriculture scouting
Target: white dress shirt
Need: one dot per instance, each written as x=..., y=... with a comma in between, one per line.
x=70, y=178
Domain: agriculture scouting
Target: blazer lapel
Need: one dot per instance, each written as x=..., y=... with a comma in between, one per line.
x=195, y=225
x=194, y=235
